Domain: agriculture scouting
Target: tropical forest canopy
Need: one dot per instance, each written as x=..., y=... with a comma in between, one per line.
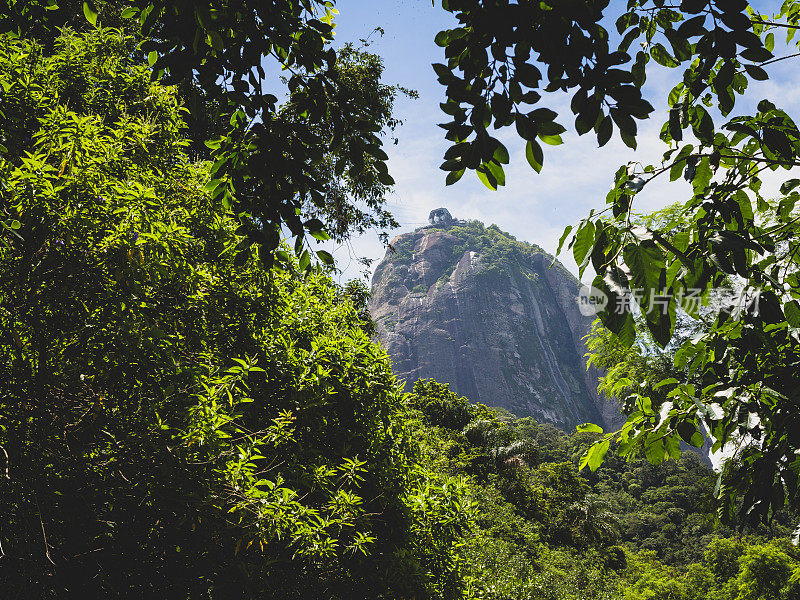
x=191, y=408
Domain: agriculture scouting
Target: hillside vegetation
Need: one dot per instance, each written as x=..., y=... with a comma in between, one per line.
x=186, y=414
x=630, y=530
x=176, y=419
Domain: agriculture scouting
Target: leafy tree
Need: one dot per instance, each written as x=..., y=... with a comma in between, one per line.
x=765, y=571
x=593, y=523
x=792, y=590
x=442, y=407
x=722, y=557
x=542, y=530
x=357, y=292
x=647, y=579
x=176, y=420
x=747, y=360
x=652, y=581
x=526, y=540
x=315, y=157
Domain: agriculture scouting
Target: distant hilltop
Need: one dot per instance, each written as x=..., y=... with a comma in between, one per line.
x=439, y=217
x=471, y=306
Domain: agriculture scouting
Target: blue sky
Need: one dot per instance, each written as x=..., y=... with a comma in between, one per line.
x=532, y=207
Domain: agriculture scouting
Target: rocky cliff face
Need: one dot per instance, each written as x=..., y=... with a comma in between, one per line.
x=469, y=305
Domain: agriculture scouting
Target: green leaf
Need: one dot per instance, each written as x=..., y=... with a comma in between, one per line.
x=646, y=262
x=584, y=240
x=702, y=176
x=535, y=155
x=454, y=176
x=756, y=72
x=638, y=68
x=90, y=12
x=544, y=115
x=702, y=124
x=756, y=54
x=681, y=240
x=129, y=13
x=501, y=154
x=686, y=430
x=385, y=178
x=680, y=45
x=626, y=20
x=679, y=163
x=444, y=74
x=792, y=311
x=305, y=260
x=662, y=56
x=550, y=128
x=674, y=125
x=528, y=75
x=486, y=178
x=589, y=428
x=777, y=142
x=683, y=354
x=664, y=382
x=624, y=121
x=786, y=206
x=654, y=449
x=673, y=447
x=628, y=139
x=320, y=235
x=553, y=140
x=604, y=131
x=563, y=237
x=496, y=170
x=675, y=94
x=789, y=185
x=594, y=455
x=620, y=323
x=326, y=257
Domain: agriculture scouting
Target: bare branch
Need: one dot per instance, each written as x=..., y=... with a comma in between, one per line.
x=6, y=473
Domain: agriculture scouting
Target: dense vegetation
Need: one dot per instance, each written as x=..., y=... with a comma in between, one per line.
x=187, y=410
x=498, y=249
x=725, y=229
x=630, y=530
x=175, y=420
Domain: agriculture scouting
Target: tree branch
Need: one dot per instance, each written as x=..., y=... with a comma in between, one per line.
x=774, y=24
x=6, y=473
x=44, y=534
x=780, y=58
